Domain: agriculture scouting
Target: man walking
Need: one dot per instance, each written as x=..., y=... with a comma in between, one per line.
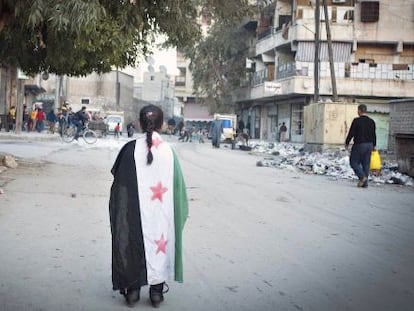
x=362, y=131
x=216, y=129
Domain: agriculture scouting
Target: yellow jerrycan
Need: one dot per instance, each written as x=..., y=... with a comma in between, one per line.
x=375, y=164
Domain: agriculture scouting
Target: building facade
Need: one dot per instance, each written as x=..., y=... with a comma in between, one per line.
x=373, y=63
x=194, y=113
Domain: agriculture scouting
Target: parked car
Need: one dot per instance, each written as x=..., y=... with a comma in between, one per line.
x=112, y=120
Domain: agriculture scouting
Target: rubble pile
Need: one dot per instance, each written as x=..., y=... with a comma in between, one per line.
x=333, y=163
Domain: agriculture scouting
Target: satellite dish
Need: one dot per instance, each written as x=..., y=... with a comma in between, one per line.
x=163, y=69
x=150, y=60
x=150, y=69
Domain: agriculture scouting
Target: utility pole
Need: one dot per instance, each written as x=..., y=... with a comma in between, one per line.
x=330, y=53
x=118, y=89
x=316, y=59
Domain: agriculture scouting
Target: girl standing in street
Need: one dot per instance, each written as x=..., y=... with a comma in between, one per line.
x=148, y=208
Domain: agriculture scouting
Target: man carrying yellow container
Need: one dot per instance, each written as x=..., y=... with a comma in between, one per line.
x=362, y=131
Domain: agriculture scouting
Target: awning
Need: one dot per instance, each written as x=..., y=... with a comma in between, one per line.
x=33, y=89
x=341, y=52
x=196, y=112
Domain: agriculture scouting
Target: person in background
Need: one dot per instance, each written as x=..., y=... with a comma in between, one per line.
x=148, y=208
x=362, y=131
x=282, y=132
x=79, y=119
x=180, y=127
x=171, y=126
x=40, y=120
x=51, y=120
x=240, y=127
x=216, y=129
x=117, y=129
x=33, y=118
x=26, y=118
x=185, y=135
x=130, y=129
x=12, y=118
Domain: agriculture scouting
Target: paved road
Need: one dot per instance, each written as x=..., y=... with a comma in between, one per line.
x=257, y=238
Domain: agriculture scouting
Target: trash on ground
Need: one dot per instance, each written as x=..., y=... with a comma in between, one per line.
x=334, y=163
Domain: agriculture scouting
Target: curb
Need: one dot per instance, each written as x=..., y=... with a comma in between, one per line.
x=30, y=136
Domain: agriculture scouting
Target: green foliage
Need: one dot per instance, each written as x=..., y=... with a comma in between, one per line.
x=77, y=37
x=218, y=65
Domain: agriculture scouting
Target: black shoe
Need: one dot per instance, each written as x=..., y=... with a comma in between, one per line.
x=157, y=294
x=132, y=297
x=362, y=181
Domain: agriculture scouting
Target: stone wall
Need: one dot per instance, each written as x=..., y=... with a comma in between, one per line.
x=402, y=134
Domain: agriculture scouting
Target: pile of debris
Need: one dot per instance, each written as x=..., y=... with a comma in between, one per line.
x=334, y=163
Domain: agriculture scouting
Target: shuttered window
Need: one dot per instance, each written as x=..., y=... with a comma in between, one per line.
x=369, y=11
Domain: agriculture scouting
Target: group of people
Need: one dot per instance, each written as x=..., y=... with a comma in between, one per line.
x=33, y=120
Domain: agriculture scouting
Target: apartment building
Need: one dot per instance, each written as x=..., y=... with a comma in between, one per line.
x=373, y=58
x=195, y=114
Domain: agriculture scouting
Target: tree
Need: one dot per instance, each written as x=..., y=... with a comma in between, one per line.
x=77, y=37
x=218, y=65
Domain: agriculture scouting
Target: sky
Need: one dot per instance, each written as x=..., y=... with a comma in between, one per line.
x=167, y=58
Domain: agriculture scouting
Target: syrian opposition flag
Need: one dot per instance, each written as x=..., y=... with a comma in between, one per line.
x=156, y=201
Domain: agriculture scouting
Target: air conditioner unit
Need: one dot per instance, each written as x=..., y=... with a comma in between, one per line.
x=338, y=1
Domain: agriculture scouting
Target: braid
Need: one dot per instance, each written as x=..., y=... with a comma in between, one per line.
x=150, y=130
x=151, y=119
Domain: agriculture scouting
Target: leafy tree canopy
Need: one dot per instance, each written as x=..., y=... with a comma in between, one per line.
x=77, y=37
x=218, y=65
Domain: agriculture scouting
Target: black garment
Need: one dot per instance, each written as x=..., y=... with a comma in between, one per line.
x=130, y=129
x=128, y=256
x=362, y=130
x=241, y=126
x=80, y=116
x=79, y=119
x=171, y=122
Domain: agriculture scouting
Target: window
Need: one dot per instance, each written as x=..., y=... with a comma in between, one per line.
x=334, y=14
x=85, y=101
x=180, y=80
x=369, y=11
x=284, y=20
x=297, y=119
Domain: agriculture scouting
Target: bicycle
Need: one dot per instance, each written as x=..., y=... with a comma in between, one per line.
x=69, y=134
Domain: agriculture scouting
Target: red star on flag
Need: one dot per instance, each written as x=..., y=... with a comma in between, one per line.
x=156, y=142
x=162, y=245
x=158, y=191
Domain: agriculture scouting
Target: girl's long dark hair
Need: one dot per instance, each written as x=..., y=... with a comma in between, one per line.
x=151, y=119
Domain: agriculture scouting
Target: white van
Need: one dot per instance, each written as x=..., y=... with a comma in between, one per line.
x=112, y=120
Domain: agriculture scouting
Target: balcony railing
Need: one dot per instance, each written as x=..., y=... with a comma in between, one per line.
x=180, y=81
x=345, y=70
x=259, y=77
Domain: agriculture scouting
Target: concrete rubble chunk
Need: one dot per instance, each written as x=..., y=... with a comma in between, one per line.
x=9, y=162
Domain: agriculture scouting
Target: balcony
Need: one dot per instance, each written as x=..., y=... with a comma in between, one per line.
x=267, y=41
x=302, y=30
x=381, y=80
